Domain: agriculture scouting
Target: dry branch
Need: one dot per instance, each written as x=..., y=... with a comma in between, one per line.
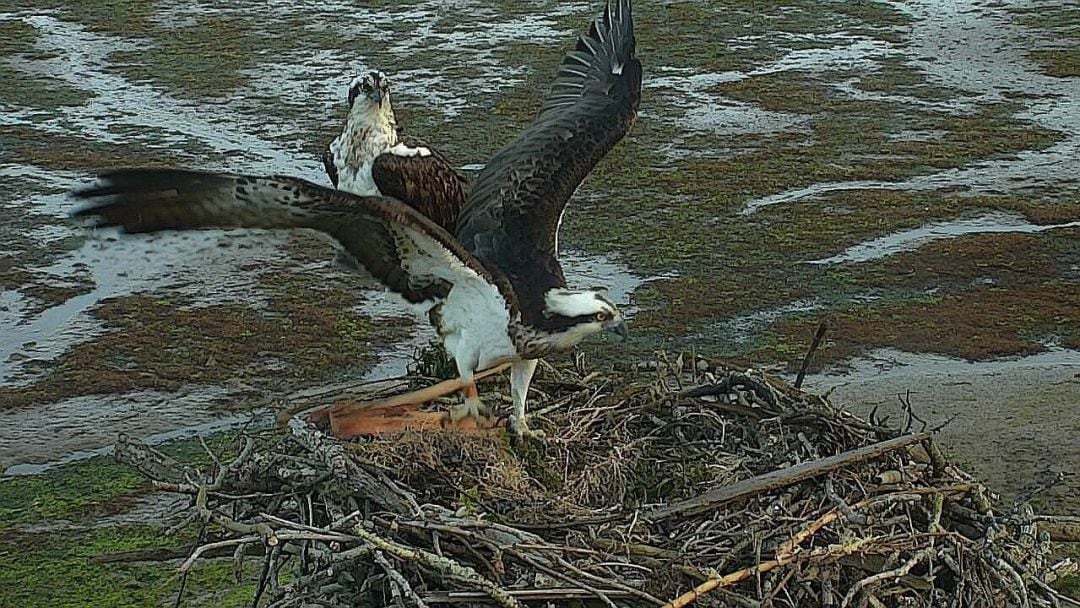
x=774, y=480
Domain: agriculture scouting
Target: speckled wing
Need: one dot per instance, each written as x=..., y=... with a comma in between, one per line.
x=427, y=183
x=401, y=248
x=512, y=214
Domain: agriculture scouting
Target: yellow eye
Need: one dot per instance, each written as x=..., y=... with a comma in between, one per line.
x=601, y=316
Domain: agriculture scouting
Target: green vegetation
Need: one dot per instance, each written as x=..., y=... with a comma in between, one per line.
x=57, y=570
x=82, y=490
x=182, y=58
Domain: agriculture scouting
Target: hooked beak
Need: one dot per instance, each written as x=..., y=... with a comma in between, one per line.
x=378, y=92
x=620, y=330
x=376, y=95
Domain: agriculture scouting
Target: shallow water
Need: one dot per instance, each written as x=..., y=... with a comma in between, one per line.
x=909, y=240
x=1012, y=422
x=977, y=47
x=86, y=427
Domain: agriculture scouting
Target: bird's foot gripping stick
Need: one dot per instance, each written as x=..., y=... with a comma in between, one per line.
x=351, y=418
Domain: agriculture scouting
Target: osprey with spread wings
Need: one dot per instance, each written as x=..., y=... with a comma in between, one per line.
x=494, y=287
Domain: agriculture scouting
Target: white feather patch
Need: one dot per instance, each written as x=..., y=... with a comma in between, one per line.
x=475, y=316
x=573, y=303
x=402, y=150
x=368, y=132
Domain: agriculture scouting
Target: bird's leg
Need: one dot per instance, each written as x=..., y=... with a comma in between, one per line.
x=521, y=373
x=471, y=407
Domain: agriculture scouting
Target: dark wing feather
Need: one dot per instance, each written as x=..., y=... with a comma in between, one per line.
x=398, y=246
x=512, y=215
x=428, y=184
x=328, y=164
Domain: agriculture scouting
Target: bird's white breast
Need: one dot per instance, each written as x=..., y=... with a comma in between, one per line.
x=474, y=317
x=354, y=153
x=475, y=324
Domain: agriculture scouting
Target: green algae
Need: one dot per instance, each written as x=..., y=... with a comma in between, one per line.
x=56, y=570
x=182, y=57
x=37, y=92
x=78, y=490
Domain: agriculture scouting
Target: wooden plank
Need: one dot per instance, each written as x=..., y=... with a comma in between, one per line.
x=778, y=479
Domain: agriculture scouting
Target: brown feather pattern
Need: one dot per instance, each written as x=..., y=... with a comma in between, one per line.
x=428, y=184
x=378, y=231
x=512, y=215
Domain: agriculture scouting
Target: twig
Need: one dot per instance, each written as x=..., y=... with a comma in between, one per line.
x=232, y=542
x=376, y=488
x=445, y=565
x=578, y=571
x=844, y=508
x=264, y=577
x=199, y=538
x=552, y=594
x=909, y=413
x=818, y=335
x=741, y=575
x=913, y=494
x=398, y=579
x=564, y=578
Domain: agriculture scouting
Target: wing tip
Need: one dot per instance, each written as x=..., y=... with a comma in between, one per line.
x=611, y=33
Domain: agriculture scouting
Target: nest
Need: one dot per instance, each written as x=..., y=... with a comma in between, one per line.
x=679, y=482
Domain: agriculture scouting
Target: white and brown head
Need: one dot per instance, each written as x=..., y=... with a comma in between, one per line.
x=573, y=315
x=369, y=99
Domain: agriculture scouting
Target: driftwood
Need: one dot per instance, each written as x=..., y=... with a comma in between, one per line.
x=679, y=483
x=775, y=480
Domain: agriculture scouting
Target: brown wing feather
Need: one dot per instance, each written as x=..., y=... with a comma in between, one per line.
x=512, y=215
x=428, y=184
x=380, y=232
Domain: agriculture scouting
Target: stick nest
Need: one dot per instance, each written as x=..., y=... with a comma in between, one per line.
x=677, y=482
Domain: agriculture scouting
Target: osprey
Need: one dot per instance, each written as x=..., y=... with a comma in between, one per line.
x=494, y=289
x=371, y=157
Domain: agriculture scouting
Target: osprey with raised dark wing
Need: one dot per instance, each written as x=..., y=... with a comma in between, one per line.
x=371, y=157
x=495, y=291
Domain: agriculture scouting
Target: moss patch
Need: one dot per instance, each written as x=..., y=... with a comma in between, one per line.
x=16, y=36
x=125, y=17
x=38, y=92
x=1060, y=63
x=76, y=491
x=54, y=571
x=182, y=57
x=70, y=153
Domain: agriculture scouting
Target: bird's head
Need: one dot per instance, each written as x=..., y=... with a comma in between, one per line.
x=370, y=93
x=579, y=314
